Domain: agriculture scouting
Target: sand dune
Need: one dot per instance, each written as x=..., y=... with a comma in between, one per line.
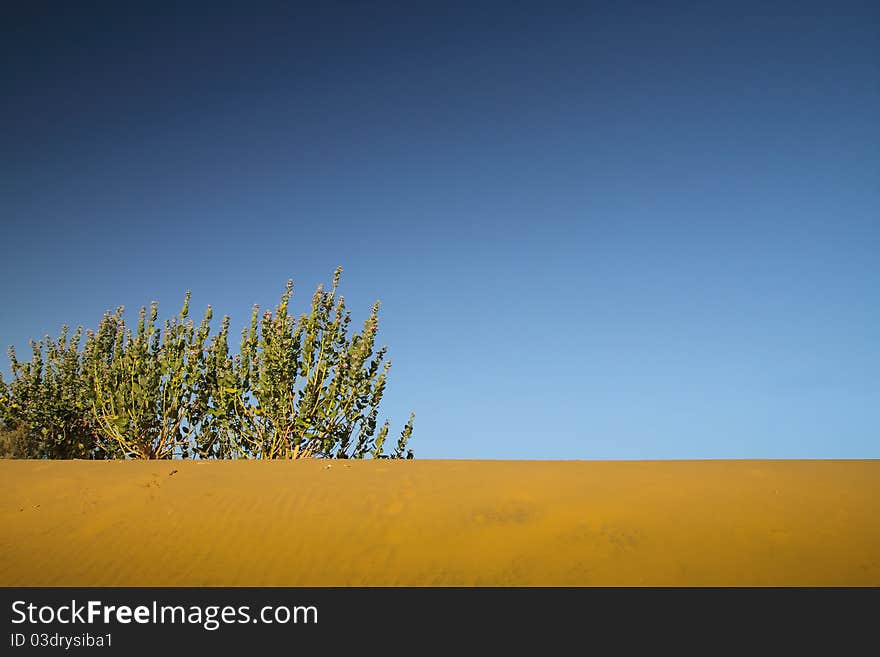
x=321, y=523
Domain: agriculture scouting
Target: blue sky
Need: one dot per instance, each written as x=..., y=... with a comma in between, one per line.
x=598, y=230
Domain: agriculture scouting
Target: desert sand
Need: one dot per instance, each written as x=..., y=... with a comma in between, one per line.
x=448, y=523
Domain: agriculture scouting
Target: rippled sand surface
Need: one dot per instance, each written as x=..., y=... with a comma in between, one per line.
x=416, y=523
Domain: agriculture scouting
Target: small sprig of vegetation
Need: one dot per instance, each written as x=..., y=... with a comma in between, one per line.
x=298, y=387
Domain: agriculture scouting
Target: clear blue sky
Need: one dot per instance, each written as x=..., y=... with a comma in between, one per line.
x=598, y=230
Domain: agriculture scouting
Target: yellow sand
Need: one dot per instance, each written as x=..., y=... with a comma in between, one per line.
x=321, y=523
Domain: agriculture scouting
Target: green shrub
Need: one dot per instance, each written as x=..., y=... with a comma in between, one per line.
x=49, y=400
x=144, y=383
x=299, y=387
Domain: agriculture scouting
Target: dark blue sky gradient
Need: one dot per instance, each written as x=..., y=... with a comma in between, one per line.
x=598, y=230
